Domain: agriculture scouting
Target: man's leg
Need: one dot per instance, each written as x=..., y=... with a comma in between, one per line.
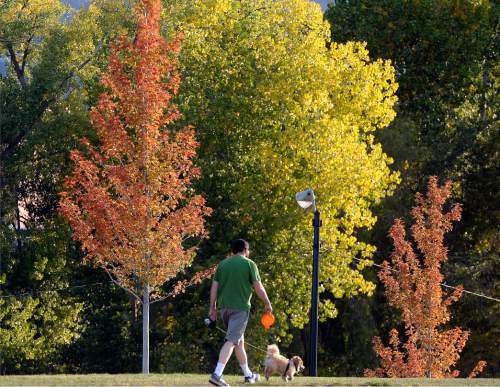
x=241, y=355
x=224, y=355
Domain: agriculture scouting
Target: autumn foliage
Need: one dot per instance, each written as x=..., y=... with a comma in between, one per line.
x=129, y=200
x=413, y=285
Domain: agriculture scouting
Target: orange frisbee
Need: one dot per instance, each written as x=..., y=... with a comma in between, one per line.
x=267, y=320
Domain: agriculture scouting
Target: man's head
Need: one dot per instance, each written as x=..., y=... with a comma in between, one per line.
x=241, y=247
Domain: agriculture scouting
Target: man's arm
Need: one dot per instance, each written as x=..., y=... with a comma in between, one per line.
x=213, y=300
x=261, y=293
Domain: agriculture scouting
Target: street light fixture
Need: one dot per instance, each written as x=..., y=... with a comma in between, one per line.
x=307, y=201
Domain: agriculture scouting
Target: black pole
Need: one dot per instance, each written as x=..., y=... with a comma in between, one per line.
x=313, y=353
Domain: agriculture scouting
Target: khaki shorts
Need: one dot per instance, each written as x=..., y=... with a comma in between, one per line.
x=235, y=322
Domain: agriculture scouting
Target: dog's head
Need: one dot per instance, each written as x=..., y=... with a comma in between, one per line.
x=298, y=363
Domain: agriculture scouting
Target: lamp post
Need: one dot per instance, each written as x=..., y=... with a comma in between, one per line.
x=306, y=200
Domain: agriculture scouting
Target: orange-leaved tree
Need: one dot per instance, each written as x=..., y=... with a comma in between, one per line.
x=414, y=286
x=129, y=200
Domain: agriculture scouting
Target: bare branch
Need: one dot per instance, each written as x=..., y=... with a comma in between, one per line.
x=181, y=286
x=121, y=286
x=26, y=52
x=15, y=64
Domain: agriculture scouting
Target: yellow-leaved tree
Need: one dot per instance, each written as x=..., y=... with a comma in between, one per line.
x=278, y=107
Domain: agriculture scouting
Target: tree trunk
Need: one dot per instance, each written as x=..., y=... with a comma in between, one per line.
x=145, y=330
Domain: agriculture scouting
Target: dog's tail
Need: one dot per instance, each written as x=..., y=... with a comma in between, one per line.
x=273, y=350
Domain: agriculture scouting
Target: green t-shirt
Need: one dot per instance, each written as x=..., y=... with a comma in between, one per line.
x=236, y=276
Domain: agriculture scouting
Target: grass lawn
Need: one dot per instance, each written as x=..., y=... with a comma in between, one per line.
x=202, y=380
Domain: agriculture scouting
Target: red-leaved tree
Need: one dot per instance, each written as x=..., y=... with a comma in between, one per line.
x=129, y=200
x=414, y=286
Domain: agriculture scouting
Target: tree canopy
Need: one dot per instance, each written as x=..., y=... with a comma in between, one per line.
x=277, y=110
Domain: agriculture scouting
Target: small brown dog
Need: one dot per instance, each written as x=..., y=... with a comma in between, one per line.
x=278, y=364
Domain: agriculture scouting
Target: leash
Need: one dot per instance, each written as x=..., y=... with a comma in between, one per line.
x=249, y=344
x=253, y=346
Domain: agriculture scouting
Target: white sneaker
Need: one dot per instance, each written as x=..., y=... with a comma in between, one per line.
x=252, y=379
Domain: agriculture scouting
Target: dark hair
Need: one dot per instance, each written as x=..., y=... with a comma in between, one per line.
x=239, y=245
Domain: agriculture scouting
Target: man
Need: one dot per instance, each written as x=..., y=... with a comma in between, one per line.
x=231, y=293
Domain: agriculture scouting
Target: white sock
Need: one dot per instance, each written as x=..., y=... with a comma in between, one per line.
x=219, y=369
x=246, y=370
